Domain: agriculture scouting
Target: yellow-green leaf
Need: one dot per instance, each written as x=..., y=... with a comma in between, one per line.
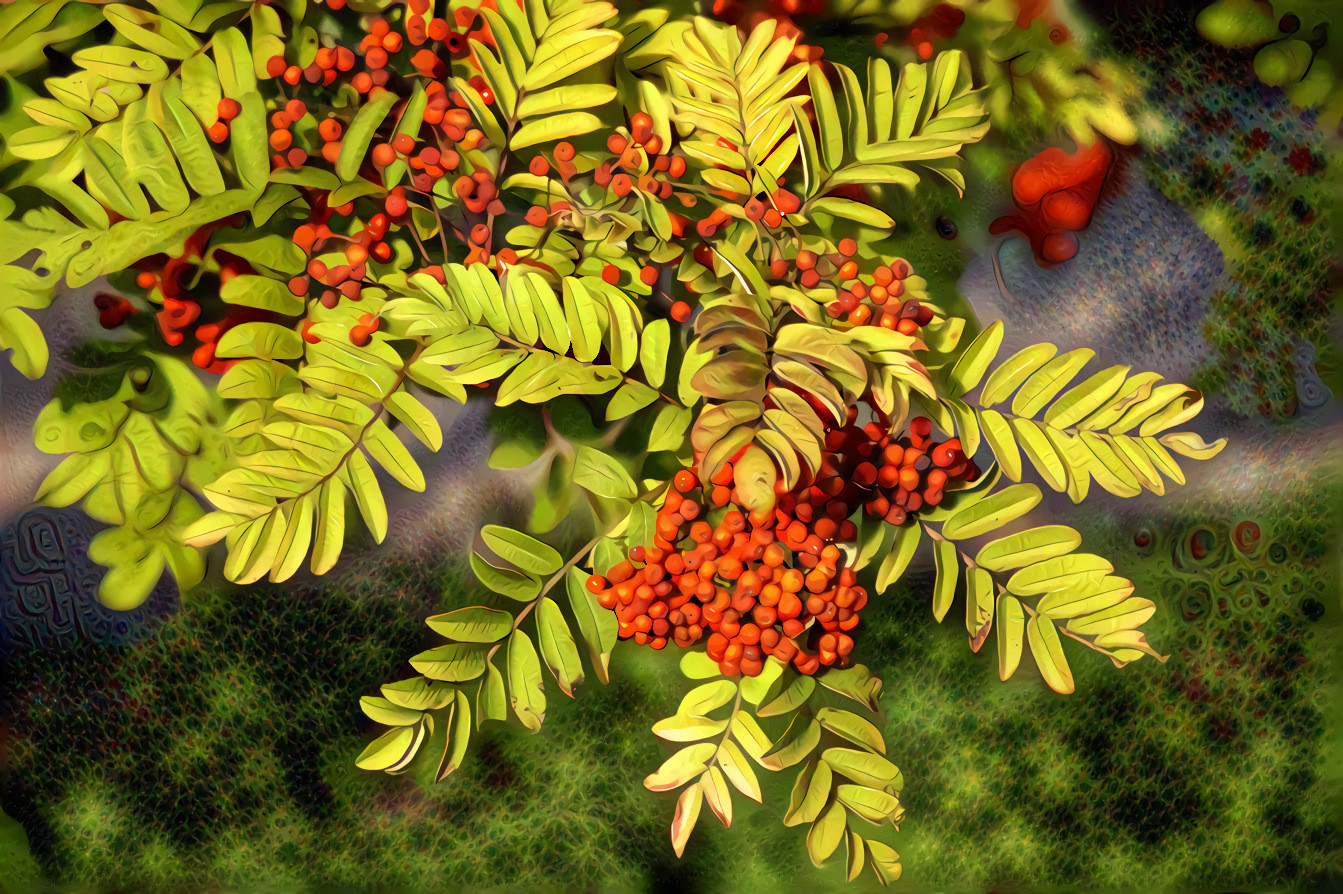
x=1028, y=547
x=1193, y=446
x=1085, y=596
x=1011, y=633
x=992, y=512
x=687, y=813
x=975, y=360
x=1012, y=372
x=525, y=686
x=1048, y=652
x=474, y=624
x=681, y=767
x=947, y=562
x=979, y=599
x=1061, y=573
x=852, y=727
x=898, y=559
x=826, y=833
x=998, y=433
x=557, y=645
x=1127, y=615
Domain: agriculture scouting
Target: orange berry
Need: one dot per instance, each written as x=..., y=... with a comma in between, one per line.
x=564, y=151
x=392, y=42
x=680, y=312
x=847, y=247
x=228, y=109
x=281, y=140
x=641, y=127
x=403, y=144
x=383, y=155
x=539, y=167
x=329, y=130
x=611, y=274
x=275, y=66
x=648, y=275
x=218, y=132
x=295, y=109
x=292, y=75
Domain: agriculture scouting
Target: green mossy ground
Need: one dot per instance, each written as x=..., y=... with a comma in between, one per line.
x=220, y=751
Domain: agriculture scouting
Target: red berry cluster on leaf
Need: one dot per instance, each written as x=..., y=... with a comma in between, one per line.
x=891, y=477
x=753, y=589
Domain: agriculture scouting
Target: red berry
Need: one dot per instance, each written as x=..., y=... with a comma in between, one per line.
x=680, y=312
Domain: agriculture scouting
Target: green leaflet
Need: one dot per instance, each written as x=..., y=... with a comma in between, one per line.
x=1048, y=652
x=1042, y=386
x=599, y=473
x=898, y=559
x=975, y=360
x=354, y=144
x=810, y=792
x=1028, y=547
x=514, y=584
x=525, y=686
x=557, y=645
x=523, y=551
x=454, y=663
x=393, y=750
x=947, y=561
x=1011, y=632
x=992, y=512
x=475, y=624
x=1009, y=375
x=554, y=127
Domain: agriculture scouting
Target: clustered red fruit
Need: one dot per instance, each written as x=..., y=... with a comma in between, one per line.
x=864, y=299
x=752, y=589
x=171, y=277
x=633, y=170
x=891, y=477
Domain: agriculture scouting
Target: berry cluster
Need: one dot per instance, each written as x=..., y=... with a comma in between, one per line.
x=864, y=299
x=173, y=278
x=891, y=478
x=767, y=209
x=753, y=590
x=875, y=299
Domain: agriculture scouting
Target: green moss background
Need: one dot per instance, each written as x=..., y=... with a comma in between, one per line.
x=219, y=751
